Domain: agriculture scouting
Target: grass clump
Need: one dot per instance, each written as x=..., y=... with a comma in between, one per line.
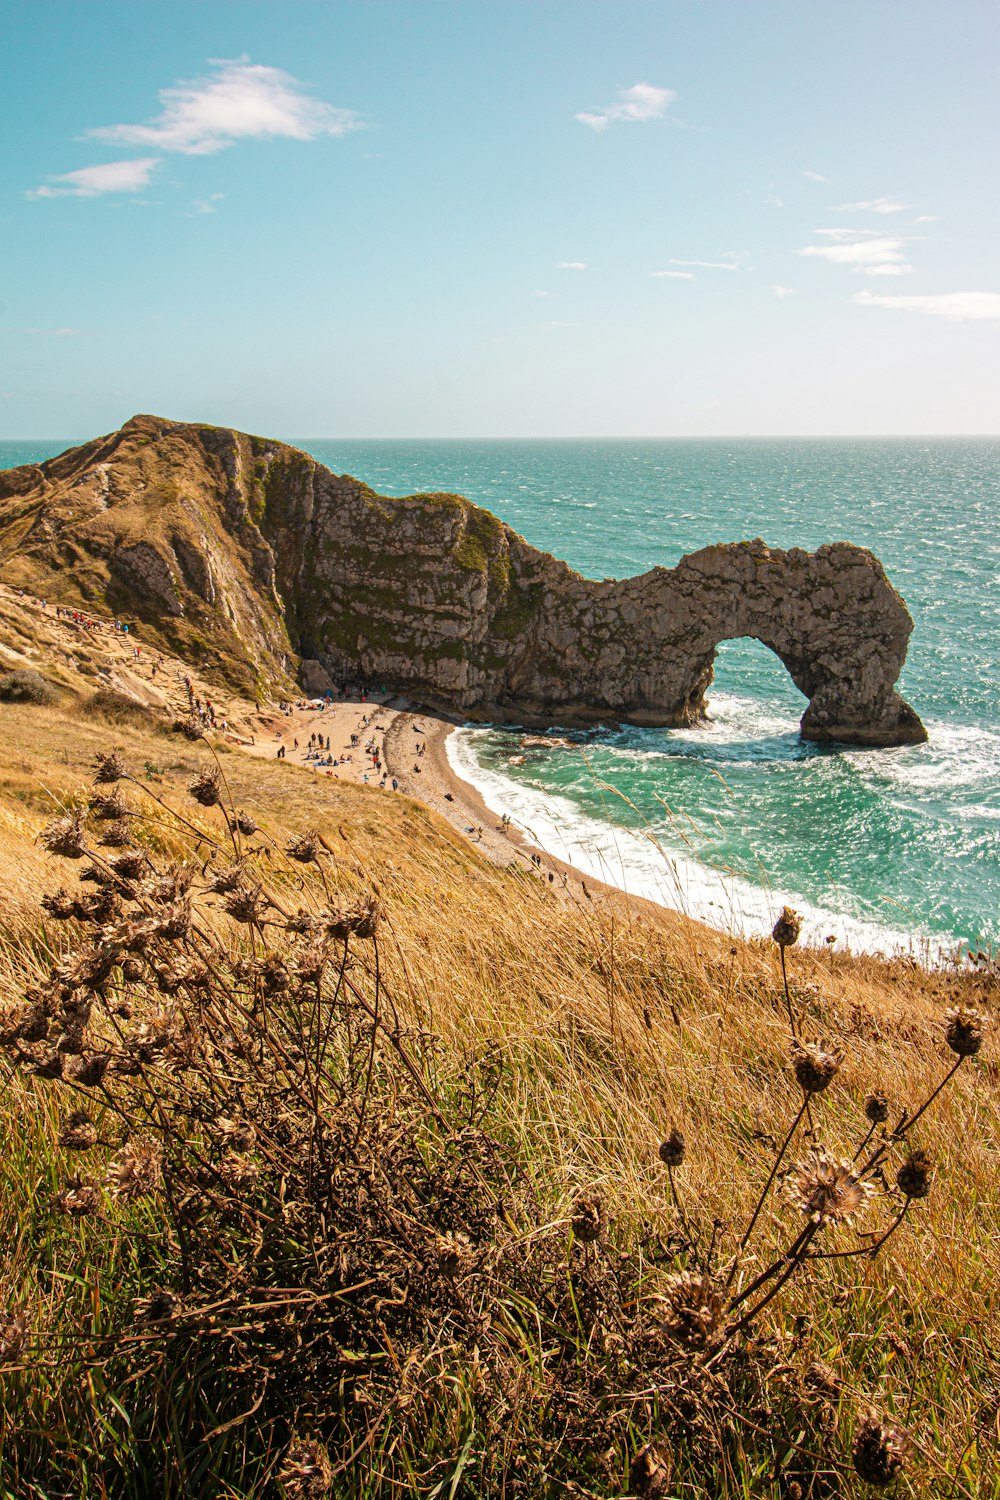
x=108, y=706
x=24, y=685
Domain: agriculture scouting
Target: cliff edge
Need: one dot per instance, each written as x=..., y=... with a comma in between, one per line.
x=256, y=560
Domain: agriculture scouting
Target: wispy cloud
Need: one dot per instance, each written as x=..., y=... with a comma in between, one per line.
x=874, y=256
x=873, y=206
x=643, y=101
x=675, y=275
x=93, y=182
x=927, y=219
x=201, y=206
x=571, y=265
x=815, y=176
x=240, y=101
x=54, y=333
x=783, y=291
x=959, y=307
x=708, y=265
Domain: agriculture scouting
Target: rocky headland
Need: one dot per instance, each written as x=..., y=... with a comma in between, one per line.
x=252, y=558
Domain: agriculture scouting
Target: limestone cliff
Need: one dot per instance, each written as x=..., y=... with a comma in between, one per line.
x=257, y=558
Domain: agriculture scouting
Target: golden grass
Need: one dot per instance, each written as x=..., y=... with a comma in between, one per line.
x=610, y=1028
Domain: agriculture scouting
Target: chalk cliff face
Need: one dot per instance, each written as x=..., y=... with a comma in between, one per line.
x=257, y=558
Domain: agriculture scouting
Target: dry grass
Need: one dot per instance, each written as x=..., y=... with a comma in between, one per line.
x=584, y=1040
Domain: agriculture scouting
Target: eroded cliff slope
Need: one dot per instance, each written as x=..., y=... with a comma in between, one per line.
x=253, y=556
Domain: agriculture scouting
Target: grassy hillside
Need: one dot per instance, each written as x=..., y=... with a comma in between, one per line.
x=352, y=1165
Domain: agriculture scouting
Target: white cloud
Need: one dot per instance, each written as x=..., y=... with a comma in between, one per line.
x=872, y=205
x=871, y=255
x=927, y=219
x=204, y=205
x=538, y=292
x=773, y=201
x=815, y=176
x=783, y=291
x=960, y=307
x=708, y=265
x=840, y=233
x=675, y=275
x=571, y=265
x=240, y=101
x=92, y=182
x=643, y=101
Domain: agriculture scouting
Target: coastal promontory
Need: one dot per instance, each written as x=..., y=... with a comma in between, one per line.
x=252, y=557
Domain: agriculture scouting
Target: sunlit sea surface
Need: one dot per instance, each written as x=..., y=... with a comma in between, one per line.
x=881, y=848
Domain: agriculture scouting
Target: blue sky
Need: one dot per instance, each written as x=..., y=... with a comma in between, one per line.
x=486, y=217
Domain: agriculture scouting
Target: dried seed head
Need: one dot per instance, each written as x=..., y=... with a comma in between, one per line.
x=672, y=1149
x=168, y=886
x=964, y=1031
x=815, y=1068
x=77, y=1198
x=207, y=788
x=130, y=865
x=109, y=768
x=47, y=1063
x=78, y=1131
x=649, y=1473
x=827, y=1190
x=136, y=1172
x=14, y=1330
x=30, y=1022
x=111, y=807
x=65, y=836
x=238, y=1135
x=230, y=878
x=116, y=836
x=238, y=1172
x=274, y=974
x=88, y=1071
x=822, y=1378
x=362, y=919
x=189, y=728
x=914, y=1176
x=158, y=1307
x=306, y=1473
x=787, y=928
x=879, y=1452
x=132, y=969
x=454, y=1251
x=245, y=824
x=693, y=1307
x=587, y=1218
x=174, y=921
x=60, y=904
x=305, y=849
x=248, y=904
x=877, y=1109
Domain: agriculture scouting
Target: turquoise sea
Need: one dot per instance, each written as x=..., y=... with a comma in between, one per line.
x=882, y=848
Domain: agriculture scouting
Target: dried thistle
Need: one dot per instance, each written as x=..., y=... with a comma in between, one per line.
x=174, y=921
x=109, y=768
x=815, y=1068
x=207, y=788
x=130, y=865
x=787, y=928
x=14, y=1330
x=116, y=836
x=879, y=1452
x=230, y=878
x=136, y=1172
x=305, y=849
x=158, y=1307
x=77, y=1198
x=826, y=1189
x=693, y=1306
x=914, y=1177
x=247, y=904
x=133, y=969
x=877, y=1109
x=964, y=1030
x=245, y=824
x=306, y=1473
x=65, y=837
x=238, y=1172
x=238, y=1135
x=672, y=1149
x=454, y=1251
x=111, y=807
x=649, y=1473
x=88, y=1071
x=78, y=1132
x=362, y=919
x=587, y=1218
x=30, y=1022
x=60, y=904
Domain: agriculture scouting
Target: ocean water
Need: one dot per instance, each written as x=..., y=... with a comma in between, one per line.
x=887, y=849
